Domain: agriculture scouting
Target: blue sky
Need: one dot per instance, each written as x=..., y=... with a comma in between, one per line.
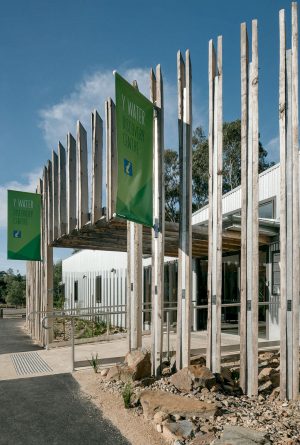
x=58, y=57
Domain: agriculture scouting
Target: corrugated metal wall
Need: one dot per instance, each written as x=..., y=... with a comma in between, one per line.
x=269, y=183
x=84, y=267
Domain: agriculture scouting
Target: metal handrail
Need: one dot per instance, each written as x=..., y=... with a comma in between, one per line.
x=62, y=312
x=72, y=317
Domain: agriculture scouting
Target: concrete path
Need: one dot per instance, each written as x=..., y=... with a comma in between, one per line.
x=13, y=338
x=59, y=359
x=40, y=407
x=51, y=410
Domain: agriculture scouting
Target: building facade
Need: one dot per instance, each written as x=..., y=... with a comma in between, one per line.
x=98, y=278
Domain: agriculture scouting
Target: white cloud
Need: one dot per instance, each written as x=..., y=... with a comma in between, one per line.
x=272, y=148
x=29, y=184
x=59, y=119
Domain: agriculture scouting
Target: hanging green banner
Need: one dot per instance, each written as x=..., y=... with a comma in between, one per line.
x=23, y=226
x=134, y=124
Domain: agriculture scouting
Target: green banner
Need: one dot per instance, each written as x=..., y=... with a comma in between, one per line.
x=134, y=124
x=23, y=226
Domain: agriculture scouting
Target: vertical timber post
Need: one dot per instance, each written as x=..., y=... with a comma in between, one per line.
x=289, y=210
x=111, y=159
x=249, y=235
x=62, y=191
x=214, y=284
x=55, y=195
x=158, y=231
x=185, y=229
x=97, y=150
x=135, y=261
x=71, y=184
x=82, y=177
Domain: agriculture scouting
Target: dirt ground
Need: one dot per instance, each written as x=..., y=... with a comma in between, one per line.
x=136, y=430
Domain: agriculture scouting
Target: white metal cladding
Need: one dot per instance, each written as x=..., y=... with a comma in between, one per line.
x=94, y=260
x=269, y=182
x=84, y=267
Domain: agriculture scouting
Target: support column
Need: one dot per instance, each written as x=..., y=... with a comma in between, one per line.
x=249, y=231
x=158, y=232
x=214, y=277
x=185, y=226
x=289, y=211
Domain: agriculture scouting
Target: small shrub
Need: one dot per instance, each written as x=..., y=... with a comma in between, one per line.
x=94, y=362
x=126, y=394
x=235, y=375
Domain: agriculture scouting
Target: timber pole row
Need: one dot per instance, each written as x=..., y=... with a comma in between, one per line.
x=214, y=277
x=65, y=210
x=289, y=210
x=184, y=82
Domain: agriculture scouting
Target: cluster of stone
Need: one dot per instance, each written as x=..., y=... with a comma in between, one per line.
x=196, y=407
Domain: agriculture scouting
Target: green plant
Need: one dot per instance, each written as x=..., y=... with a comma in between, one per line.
x=235, y=375
x=94, y=362
x=126, y=394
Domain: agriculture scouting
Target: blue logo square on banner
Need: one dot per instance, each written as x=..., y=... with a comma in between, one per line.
x=128, y=169
x=17, y=234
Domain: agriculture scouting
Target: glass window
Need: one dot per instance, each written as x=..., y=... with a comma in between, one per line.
x=98, y=289
x=266, y=210
x=275, y=273
x=75, y=291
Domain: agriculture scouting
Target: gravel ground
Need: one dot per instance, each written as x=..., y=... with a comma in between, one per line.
x=281, y=420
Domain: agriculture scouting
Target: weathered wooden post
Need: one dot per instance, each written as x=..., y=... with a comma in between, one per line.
x=289, y=210
x=135, y=261
x=185, y=226
x=215, y=139
x=158, y=231
x=82, y=177
x=97, y=150
x=62, y=191
x=249, y=229
x=48, y=251
x=55, y=195
x=71, y=183
x=111, y=159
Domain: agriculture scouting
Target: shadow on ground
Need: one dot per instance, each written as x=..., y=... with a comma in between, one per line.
x=13, y=338
x=51, y=410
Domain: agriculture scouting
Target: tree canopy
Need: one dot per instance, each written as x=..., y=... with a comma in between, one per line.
x=12, y=288
x=231, y=167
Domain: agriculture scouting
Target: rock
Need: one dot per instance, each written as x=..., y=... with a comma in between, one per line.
x=178, y=430
x=140, y=363
x=176, y=417
x=237, y=435
x=159, y=428
x=104, y=372
x=166, y=371
x=275, y=379
x=192, y=377
x=160, y=416
x=265, y=374
x=266, y=387
x=172, y=404
x=203, y=439
x=226, y=376
x=147, y=381
x=228, y=388
x=173, y=363
x=274, y=363
x=198, y=361
x=274, y=394
x=123, y=373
